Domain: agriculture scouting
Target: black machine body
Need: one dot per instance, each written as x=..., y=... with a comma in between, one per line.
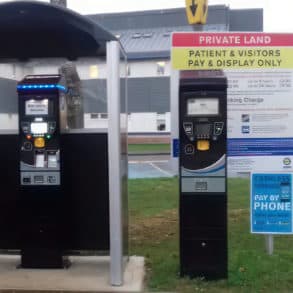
x=41, y=196
x=202, y=169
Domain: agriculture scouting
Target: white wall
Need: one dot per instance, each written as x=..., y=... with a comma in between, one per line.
x=137, y=122
x=9, y=122
x=147, y=122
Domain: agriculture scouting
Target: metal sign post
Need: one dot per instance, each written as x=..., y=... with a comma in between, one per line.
x=269, y=244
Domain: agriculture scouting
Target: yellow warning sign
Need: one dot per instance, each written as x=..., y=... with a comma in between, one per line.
x=197, y=11
x=231, y=58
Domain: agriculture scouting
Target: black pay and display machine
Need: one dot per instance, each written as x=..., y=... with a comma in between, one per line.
x=202, y=163
x=41, y=196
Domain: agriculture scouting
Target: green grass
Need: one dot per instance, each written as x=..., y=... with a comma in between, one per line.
x=148, y=148
x=151, y=197
x=153, y=207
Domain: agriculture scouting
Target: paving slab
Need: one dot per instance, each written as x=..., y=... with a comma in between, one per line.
x=86, y=274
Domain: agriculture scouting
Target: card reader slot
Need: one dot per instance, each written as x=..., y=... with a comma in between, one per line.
x=38, y=179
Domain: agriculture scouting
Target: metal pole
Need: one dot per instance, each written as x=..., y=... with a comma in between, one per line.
x=269, y=244
x=174, y=96
x=114, y=152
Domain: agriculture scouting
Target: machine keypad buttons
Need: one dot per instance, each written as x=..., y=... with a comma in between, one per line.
x=203, y=136
x=25, y=126
x=26, y=180
x=27, y=146
x=51, y=127
x=39, y=142
x=188, y=128
x=52, y=179
x=218, y=128
x=39, y=179
x=201, y=186
x=52, y=160
x=189, y=149
x=203, y=145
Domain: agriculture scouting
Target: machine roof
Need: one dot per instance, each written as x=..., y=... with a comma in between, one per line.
x=31, y=29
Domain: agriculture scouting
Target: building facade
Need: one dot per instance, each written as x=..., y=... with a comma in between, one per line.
x=146, y=38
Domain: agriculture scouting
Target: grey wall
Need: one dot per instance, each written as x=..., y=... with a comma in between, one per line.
x=144, y=95
x=249, y=20
x=8, y=96
x=94, y=92
x=149, y=94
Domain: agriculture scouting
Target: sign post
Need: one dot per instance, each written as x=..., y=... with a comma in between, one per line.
x=270, y=244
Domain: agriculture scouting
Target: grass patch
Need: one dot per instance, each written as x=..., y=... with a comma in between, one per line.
x=149, y=197
x=153, y=207
x=148, y=148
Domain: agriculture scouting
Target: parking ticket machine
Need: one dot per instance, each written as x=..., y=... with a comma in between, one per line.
x=202, y=163
x=41, y=197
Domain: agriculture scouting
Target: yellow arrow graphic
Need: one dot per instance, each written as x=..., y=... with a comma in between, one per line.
x=197, y=11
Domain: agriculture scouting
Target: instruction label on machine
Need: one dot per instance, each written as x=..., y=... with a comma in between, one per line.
x=259, y=68
x=271, y=203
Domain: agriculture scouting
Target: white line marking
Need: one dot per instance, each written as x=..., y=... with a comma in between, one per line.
x=147, y=162
x=161, y=170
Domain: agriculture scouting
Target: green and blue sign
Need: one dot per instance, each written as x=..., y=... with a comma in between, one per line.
x=271, y=203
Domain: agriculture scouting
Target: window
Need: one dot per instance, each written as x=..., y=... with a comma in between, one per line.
x=147, y=35
x=136, y=36
x=104, y=115
x=161, y=67
x=94, y=115
x=161, y=121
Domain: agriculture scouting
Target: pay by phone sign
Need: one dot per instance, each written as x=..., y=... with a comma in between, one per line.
x=213, y=51
x=271, y=203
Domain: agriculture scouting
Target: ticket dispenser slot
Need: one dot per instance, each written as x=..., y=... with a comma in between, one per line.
x=202, y=163
x=40, y=172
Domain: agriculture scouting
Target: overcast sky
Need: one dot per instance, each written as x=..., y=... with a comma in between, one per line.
x=277, y=13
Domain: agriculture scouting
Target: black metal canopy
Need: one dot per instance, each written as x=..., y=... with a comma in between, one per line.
x=31, y=29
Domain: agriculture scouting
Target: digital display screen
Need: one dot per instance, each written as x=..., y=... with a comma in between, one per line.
x=37, y=107
x=202, y=106
x=39, y=127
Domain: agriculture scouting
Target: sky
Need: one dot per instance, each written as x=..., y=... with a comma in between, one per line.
x=277, y=13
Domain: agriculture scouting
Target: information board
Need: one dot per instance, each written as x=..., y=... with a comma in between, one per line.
x=259, y=69
x=271, y=203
